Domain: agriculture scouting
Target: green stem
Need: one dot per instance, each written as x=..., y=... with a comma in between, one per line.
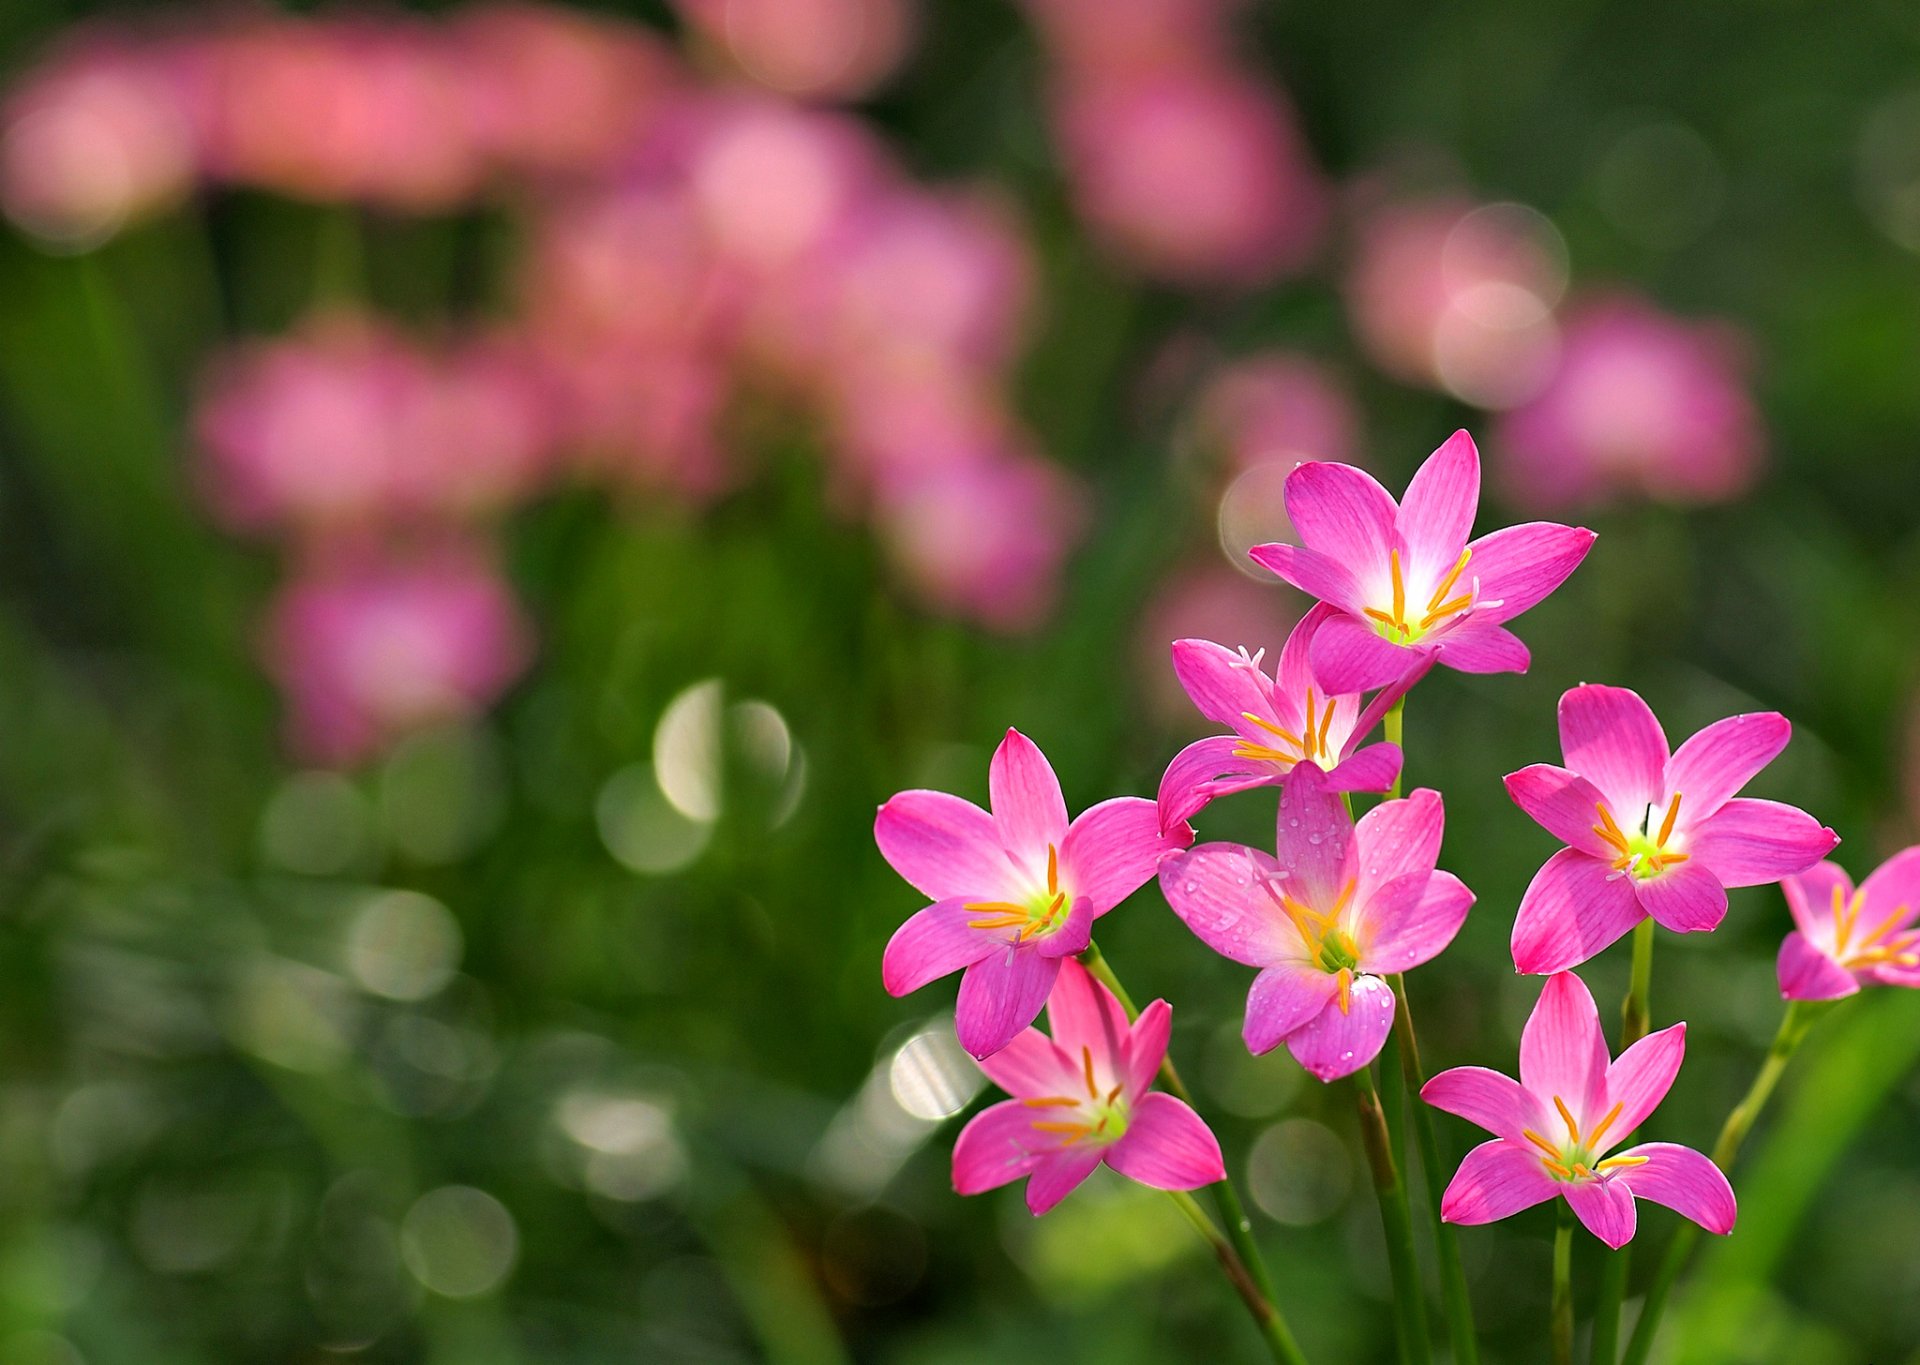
x=1409, y=1307
x=1239, y=1254
x=1636, y=1018
x=1794, y=1026
x=1453, y=1275
x=1393, y=724
x=1563, y=1286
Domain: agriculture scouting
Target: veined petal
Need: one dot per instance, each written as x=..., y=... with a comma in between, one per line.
x=1028, y=808
x=994, y=1149
x=932, y=943
x=1293, y=671
x=1315, y=838
x=1748, y=842
x=1314, y=574
x=1723, y=758
x=1400, y=836
x=1073, y=935
x=1436, y=515
x=1517, y=566
x=1810, y=897
x=1401, y=933
x=1146, y=1047
x=1893, y=884
x=1563, y=803
x=1203, y=770
x=1686, y=898
x=1114, y=848
x=1058, y=1174
x=1806, y=973
x=1481, y=645
x=1343, y=513
x=1218, y=891
x=1610, y=737
x=1575, y=906
x=1337, y=1042
x=1497, y=1180
x=1562, y=1050
x=1222, y=683
x=1167, y=1146
x=1000, y=995
x=1083, y=1014
x=1031, y=1067
x=1283, y=999
x=1349, y=656
x=1641, y=1076
x=1372, y=769
x=946, y=848
x=1606, y=1207
x=1497, y=1103
x=1685, y=1181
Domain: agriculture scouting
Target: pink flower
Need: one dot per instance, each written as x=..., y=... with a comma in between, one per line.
x=1276, y=723
x=1643, y=403
x=1649, y=833
x=1851, y=938
x=1082, y=1097
x=1278, y=405
x=1342, y=907
x=1410, y=590
x=1557, y=1123
x=810, y=49
x=1014, y=892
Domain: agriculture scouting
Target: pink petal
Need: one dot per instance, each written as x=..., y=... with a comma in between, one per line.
x=1563, y=803
x=1686, y=898
x=1497, y=1180
x=1146, y=1047
x=1058, y=1174
x=1806, y=973
x=1498, y=1103
x=1073, y=935
x=1562, y=1050
x=1349, y=656
x=1893, y=884
x=1723, y=758
x=1810, y=897
x=1167, y=1146
x=1283, y=999
x=946, y=848
x=1315, y=843
x=1683, y=1180
x=1893, y=974
x=1640, y=1078
x=1575, y=906
x=994, y=1148
x=1342, y=513
x=1480, y=645
x=1336, y=1042
x=1221, y=682
x=1605, y=1206
x=1400, y=836
x=1027, y=805
x=999, y=996
x=1218, y=891
x=1385, y=699
x=1750, y=843
x=1314, y=574
x=1372, y=769
x=1610, y=737
x=1203, y=770
x=1082, y=1013
x=931, y=944
x=1293, y=673
x=1113, y=849
x=1436, y=515
x=1409, y=933
x=1518, y=566
x=1032, y=1067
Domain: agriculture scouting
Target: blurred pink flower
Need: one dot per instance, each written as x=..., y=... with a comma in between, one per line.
x=1278, y=407
x=1643, y=403
x=1845, y=938
x=647, y=416
x=1208, y=601
x=808, y=49
x=368, y=648
x=1118, y=37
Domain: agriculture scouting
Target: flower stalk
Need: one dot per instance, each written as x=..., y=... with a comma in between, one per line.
x=1409, y=1307
x=1453, y=1276
x=1636, y=1017
x=1562, y=1320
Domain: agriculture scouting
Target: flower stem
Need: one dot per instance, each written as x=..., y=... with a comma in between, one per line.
x=1238, y=1253
x=1409, y=1307
x=1635, y=1018
x=1563, y=1286
x=1392, y=725
x=1800, y=1017
x=1453, y=1275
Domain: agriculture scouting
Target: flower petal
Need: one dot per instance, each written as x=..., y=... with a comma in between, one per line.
x=1203, y=770
x=1167, y=1146
x=1641, y=1076
x=1293, y=671
x=946, y=848
x=1606, y=1207
x=1031, y=1067
x=1314, y=574
x=1496, y=1180
x=1283, y=999
x=1806, y=973
x=1610, y=737
x=1372, y=769
x=1400, y=836
x=1563, y=803
x=1436, y=515
x=1146, y=1047
x=931, y=944
x=1686, y=898
x=1222, y=683
x=1219, y=892
x=1498, y=1103
x=1575, y=906
x=1562, y=1050
x=1349, y=656
x=1114, y=848
x=1000, y=995
x=1315, y=838
x=1058, y=1174
x=1685, y=1181
x=1028, y=808
x=1480, y=645
x=995, y=1148
x=1810, y=897
x=1723, y=758
x=1748, y=842
x=1893, y=884
x=1517, y=566
x=1403, y=933
x=1343, y=513
x=1082, y=1013
x=1337, y=1042
x=1072, y=936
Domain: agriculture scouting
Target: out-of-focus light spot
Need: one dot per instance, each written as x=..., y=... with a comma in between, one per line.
x=896, y=1108
x=317, y=824
x=1511, y=241
x=180, y=1229
x=641, y=828
x=1110, y=1233
x=932, y=1077
x=459, y=1242
x=1298, y=1172
x=1246, y=1085
x=1660, y=185
x=686, y=751
x=292, y=1015
x=353, y=1275
x=1496, y=364
x=442, y=792
x=1888, y=174
x=767, y=758
x=426, y=1066
x=631, y=1150
x=1252, y=512
x=100, y=1122
x=403, y=945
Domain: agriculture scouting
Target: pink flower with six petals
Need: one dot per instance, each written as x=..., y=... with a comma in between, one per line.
x=1409, y=588
x=1014, y=891
x=1851, y=938
x=1648, y=832
x=1556, y=1124
x=1343, y=906
x=1082, y=1097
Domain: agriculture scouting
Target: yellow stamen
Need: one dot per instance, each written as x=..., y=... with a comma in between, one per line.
x=1262, y=753
x=1380, y=616
x=1053, y=870
x=1573, y=1129
x=1326, y=724
x=1540, y=1142
x=1556, y=1168
x=1446, y=584
x=1399, y=590
x=1275, y=730
x=1345, y=978
x=1114, y=1093
x=1446, y=609
x=1086, y=1060
x=1000, y=922
x=1845, y=920
x=1309, y=726
x=1608, y=830
x=1593, y=1138
x=1666, y=825
x=1346, y=894
x=1615, y=1162
x=1051, y=1102
x=1580, y=1169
